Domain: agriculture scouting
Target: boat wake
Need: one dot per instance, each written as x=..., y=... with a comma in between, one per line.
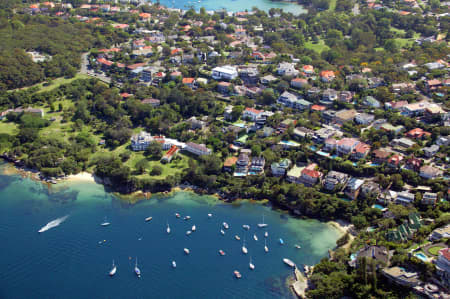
x=53, y=223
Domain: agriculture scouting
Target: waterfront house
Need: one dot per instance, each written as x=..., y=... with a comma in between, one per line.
x=226, y=72
x=333, y=179
x=309, y=175
x=293, y=175
x=370, y=189
x=353, y=188
x=280, y=168
x=229, y=163
x=430, y=172
x=242, y=165
x=140, y=142
x=379, y=255
x=197, y=149
x=401, y=276
x=257, y=165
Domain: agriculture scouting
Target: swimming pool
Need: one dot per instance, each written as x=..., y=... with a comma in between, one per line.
x=323, y=153
x=313, y=148
x=377, y=206
x=353, y=256
x=421, y=256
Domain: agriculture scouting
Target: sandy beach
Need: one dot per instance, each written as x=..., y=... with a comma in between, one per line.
x=82, y=176
x=341, y=225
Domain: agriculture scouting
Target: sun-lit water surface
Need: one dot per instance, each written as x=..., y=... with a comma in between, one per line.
x=68, y=261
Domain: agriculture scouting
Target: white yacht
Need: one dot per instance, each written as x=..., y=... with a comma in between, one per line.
x=113, y=269
x=246, y=226
x=225, y=225
x=244, y=249
x=266, y=249
x=168, y=228
x=250, y=265
x=193, y=228
x=105, y=223
x=255, y=237
x=186, y=251
x=174, y=264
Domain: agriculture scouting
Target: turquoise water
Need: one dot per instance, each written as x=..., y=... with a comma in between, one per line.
x=377, y=206
x=68, y=261
x=421, y=256
x=234, y=5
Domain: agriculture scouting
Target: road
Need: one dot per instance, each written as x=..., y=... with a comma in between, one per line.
x=84, y=70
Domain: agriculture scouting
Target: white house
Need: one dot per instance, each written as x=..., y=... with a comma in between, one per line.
x=226, y=72
x=197, y=149
x=251, y=113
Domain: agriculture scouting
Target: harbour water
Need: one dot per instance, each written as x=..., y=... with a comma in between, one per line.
x=73, y=260
x=235, y=5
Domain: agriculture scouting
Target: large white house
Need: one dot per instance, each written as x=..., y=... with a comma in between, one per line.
x=226, y=72
x=197, y=149
x=251, y=113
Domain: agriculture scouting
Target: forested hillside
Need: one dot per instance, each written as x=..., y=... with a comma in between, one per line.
x=63, y=40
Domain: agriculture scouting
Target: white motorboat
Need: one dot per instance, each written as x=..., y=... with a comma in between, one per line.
x=266, y=234
x=266, y=249
x=193, y=228
x=137, y=271
x=221, y=252
x=255, y=237
x=105, y=223
x=225, y=225
x=53, y=223
x=244, y=249
x=168, y=228
x=174, y=264
x=113, y=269
x=188, y=232
x=250, y=265
x=177, y=215
x=222, y=232
x=148, y=219
x=237, y=237
x=237, y=274
x=247, y=227
x=186, y=251
x=297, y=246
x=289, y=262
x=209, y=215
x=187, y=217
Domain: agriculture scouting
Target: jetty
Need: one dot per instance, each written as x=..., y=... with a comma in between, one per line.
x=300, y=284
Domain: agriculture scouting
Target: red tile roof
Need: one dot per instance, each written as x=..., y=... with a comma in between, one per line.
x=188, y=80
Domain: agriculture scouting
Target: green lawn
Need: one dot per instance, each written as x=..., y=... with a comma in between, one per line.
x=435, y=250
x=8, y=128
x=172, y=168
x=319, y=47
x=60, y=81
x=54, y=83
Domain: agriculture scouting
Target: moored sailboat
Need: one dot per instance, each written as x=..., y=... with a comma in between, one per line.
x=113, y=269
